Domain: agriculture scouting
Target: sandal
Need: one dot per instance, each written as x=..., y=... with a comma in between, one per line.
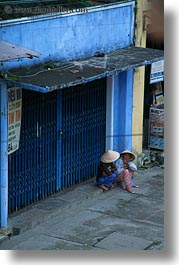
x=103, y=187
x=129, y=189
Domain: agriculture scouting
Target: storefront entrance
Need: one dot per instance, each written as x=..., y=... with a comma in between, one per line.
x=62, y=137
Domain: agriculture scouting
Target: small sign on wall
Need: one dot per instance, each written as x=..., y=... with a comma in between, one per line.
x=157, y=72
x=14, y=118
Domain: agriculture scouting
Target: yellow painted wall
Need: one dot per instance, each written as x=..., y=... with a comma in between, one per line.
x=138, y=86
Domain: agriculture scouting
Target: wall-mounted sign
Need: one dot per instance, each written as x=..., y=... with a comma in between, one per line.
x=14, y=118
x=157, y=72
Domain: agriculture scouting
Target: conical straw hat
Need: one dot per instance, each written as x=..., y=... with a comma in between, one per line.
x=128, y=152
x=110, y=156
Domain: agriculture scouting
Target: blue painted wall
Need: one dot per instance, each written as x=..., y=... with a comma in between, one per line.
x=67, y=37
x=122, y=109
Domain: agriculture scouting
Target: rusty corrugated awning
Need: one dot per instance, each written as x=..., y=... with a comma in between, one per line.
x=61, y=75
x=10, y=51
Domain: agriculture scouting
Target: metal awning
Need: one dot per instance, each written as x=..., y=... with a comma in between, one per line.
x=60, y=75
x=10, y=51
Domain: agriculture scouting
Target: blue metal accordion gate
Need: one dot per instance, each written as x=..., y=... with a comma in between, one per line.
x=62, y=138
x=32, y=168
x=83, y=131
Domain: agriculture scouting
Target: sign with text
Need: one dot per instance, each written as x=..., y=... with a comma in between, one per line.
x=14, y=118
x=157, y=72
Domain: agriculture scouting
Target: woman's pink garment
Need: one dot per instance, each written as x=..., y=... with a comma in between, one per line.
x=125, y=178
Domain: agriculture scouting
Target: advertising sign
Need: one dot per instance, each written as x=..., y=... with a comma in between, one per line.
x=157, y=72
x=14, y=118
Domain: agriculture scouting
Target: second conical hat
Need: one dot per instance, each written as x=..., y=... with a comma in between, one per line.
x=128, y=152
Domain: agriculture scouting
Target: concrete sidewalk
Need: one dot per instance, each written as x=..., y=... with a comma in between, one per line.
x=53, y=206
x=85, y=217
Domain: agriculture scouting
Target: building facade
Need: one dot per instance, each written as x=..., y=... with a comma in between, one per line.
x=71, y=112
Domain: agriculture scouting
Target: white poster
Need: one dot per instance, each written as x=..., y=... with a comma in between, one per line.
x=14, y=118
x=157, y=72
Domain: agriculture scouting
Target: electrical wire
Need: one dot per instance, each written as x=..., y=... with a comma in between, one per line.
x=65, y=67
x=45, y=70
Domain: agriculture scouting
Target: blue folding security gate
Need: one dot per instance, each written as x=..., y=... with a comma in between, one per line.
x=62, y=138
x=82, y=131
x=32, y=168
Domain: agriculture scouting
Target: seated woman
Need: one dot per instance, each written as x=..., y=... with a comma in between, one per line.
x=107, y=171
x=126, y=169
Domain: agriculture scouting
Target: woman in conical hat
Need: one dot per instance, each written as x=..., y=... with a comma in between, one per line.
x=107, y=171
x=132, y=156
x=126, y=169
